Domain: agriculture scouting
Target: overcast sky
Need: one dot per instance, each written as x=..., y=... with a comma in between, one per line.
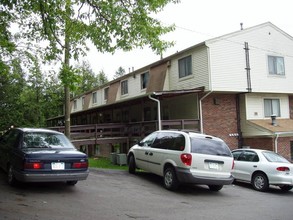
x=197, y=21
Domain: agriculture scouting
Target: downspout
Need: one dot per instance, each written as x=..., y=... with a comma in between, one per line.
x=200, y=109
x=276, y=142
x=277, y=137
x=159, y=110
x=206, y=95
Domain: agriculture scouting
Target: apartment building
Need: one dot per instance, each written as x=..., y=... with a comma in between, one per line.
x=237, y=87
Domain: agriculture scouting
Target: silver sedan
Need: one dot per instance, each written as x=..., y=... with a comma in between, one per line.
x=262, y=168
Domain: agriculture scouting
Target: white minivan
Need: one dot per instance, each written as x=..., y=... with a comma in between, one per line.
x=183, y=157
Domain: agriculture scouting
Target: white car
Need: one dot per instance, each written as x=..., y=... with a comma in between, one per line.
x=262, y=168
x=183, y=157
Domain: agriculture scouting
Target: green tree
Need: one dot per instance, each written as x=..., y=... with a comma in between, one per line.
x=53, y=96
x=7, y=47
x=87, y=79
x=67, y=25
x=12, y=84
x=120, y=72
x=102, y=78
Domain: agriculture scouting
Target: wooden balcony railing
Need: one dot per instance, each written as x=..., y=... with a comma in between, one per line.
x=122, y=132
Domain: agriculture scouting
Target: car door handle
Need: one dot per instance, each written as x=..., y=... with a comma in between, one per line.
x=151, y=154
x=146, y=153
x=255, y=166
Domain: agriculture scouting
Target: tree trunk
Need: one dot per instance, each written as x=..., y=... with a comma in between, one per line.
x=67, y=64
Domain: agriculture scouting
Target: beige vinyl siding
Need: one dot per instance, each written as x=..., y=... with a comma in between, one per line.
x=228, y=62
x=100, y=98
x=200, y=74
x=252, y=107
x=255, y=105
x=134, y=87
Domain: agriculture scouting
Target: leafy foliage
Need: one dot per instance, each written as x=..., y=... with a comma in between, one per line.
x=88, y=79
x=109, y=25
x=28, y=100
x=119, y=72
x=52, y=29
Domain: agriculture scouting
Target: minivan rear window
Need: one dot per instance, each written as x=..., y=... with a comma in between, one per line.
x=209, y=146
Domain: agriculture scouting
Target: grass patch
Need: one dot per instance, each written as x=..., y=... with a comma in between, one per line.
x=105, y=163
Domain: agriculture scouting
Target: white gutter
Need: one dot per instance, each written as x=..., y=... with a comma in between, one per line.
x=200, y=109
x=277, y=137
x=159, y=110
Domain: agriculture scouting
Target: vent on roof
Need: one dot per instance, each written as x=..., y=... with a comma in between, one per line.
x=241, y=26
x=274, y=121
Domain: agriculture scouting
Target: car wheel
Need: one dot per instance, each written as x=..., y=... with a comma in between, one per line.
x=170, y=179
x=286, y=188
x=71, y=183
x=215, y=188
x=260, y=182
x=132, y=165
x=12, y=181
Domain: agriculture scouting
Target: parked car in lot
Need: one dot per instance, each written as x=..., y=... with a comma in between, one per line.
x=183, y=157
x=262, y=168
x=41, y=155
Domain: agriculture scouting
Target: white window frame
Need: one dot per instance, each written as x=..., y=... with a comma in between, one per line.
x=82, y=101
x=94, y=97
x=144, y=80
x=106, y=93
x=272, y=106
x=276, y=65
x=124, y=87
x=185, y=66
x=75, y=104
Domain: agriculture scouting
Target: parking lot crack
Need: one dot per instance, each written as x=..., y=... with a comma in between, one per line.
x=136, y=216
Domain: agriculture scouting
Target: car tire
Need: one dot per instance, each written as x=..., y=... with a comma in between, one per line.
x=286, y=188
x=71, y=183
x=132, y=165
x=215, y=188
x=12, y=181
x=170, y=179
x=260, y=182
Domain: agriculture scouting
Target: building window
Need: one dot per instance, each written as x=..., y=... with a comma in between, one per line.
x=124, y=87
x=276, y=65
x=144, y=80
x=185, y=67
x=75, y=104
x=106, y=92
x=272, y=107
x=94, y=97
x=83, y=101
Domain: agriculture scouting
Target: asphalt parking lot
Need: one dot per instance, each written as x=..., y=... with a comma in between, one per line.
x=111, y=195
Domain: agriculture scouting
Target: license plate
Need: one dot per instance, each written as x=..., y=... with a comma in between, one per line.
x=58, y=165
x=214, y=166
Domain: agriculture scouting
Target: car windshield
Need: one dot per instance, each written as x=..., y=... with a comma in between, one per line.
x=45, y=140
x=209, y=146
x=273, y=157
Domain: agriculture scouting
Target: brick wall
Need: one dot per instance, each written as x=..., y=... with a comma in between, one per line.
x=259, y=143
x=220, y=117
x=284, y=148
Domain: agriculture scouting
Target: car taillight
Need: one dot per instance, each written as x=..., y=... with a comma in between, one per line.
x=34, y=165
x=284, y=169
x=79, y=165
x=186, y=159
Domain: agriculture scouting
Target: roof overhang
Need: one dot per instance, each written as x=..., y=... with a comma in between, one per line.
x=282, y=128
x=172, y=93
x=140, y=99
